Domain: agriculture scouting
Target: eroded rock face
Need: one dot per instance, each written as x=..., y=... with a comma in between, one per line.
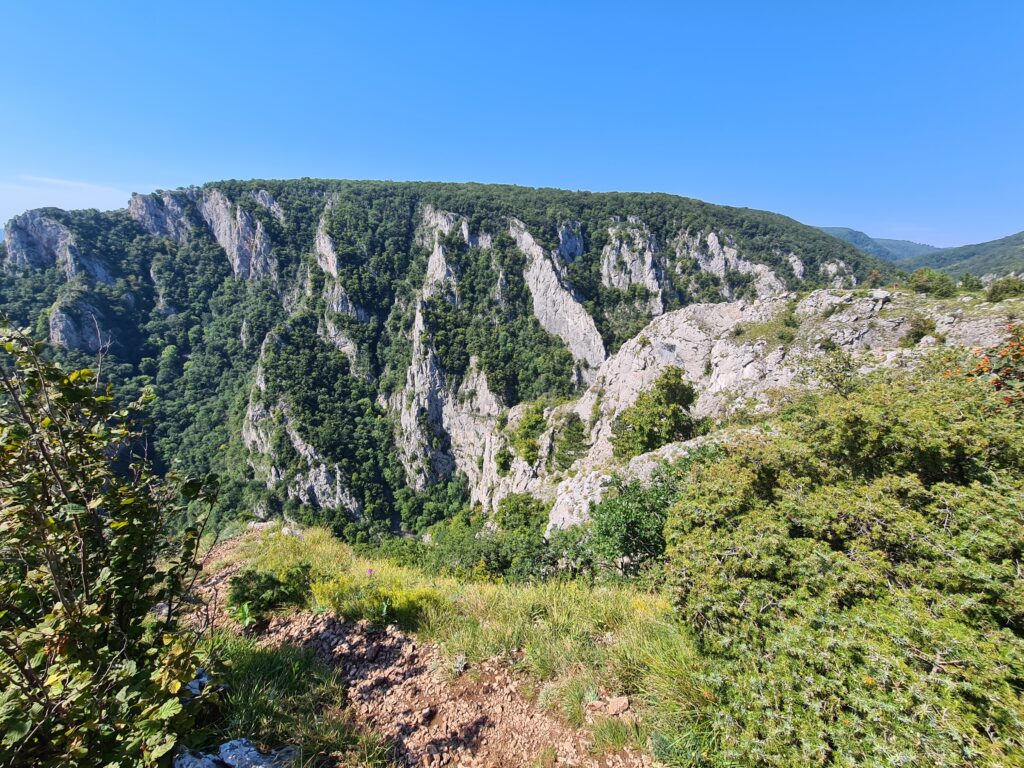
x=36, y=241
x=718, y=258
x=320, y=484
x=629, y=259
x=555, y=306
x=162, y=214
x=266, y=200
x=78, y=325
x=243, y=239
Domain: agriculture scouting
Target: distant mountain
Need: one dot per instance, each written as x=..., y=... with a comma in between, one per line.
x=889, y=250
x=994, y=257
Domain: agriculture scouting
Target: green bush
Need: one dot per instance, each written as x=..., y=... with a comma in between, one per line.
x=853, y=583
x=659, y=416
x=570, y=441
x=264, y=592
x=85, y=557
x=932, y=282
x=527, y=432
x=1005, y=288
x=920, y=326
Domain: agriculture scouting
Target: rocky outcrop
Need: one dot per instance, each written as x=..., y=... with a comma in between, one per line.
x=423, y=446
x=629, y=259
x=266, y=200
x=319, y=484
x=162, y=214
x=555, y=306
x=37, y=241
x=718, y=258
x=243, y=239
x=838, y=273
x=78, y=325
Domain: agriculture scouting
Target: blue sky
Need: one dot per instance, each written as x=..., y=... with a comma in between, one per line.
x=901, y=119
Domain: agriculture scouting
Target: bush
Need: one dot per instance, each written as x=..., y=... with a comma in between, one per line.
x=528, y=431
x=263, y=592
x=932, y=282
x=570, y=441
x=1005, y=288
x=920, y=326
x=852, y=583
x=86, y=556
x=659, y=416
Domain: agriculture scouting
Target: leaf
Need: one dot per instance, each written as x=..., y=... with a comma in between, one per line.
x=168, y=709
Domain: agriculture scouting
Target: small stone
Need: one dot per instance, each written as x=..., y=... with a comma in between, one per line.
x=617, y=705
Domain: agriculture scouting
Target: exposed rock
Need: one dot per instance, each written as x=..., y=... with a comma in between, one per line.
x=34, y=240
x=78, y=325
x=243, y=240
x=839, y=273
x=718, y=259
x=266, y=200
x=629, y=259
x=422, y=442
x=162, y=214
x=617, y=705
x=326, y=256
x=570, y=241
x=555, y=306
x=339, y=301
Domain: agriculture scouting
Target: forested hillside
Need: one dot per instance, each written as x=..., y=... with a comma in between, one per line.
x=293, y=319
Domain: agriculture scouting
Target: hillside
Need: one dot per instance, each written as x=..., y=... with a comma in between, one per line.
x=313, y=340
x=998, y=257
x=995, y=257
x=883, y=248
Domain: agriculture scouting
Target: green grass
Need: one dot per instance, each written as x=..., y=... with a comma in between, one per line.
x=571, y=640
x=281, y=696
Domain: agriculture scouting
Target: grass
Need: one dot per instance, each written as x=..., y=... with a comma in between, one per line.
x=281, y=696
x=572, y=641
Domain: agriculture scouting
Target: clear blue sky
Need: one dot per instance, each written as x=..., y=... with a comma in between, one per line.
x=903, y=119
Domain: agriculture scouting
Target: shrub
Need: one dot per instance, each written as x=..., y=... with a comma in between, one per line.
x=263, y=592
x=528, y=431
x=971, y=282
x=86, y=555
x=851, y=583
x=919, y=327
x=932, y=282
x=570, y=441
x=659, y=416
x=1005, y=288
x=1003, y=367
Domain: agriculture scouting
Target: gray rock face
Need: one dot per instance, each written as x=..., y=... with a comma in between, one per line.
x=162, y=214
x=555, y=306
x=320, y=484
x=78, y=325
x=37, y=241
x=243, y=240
x=629, y=259
x=718, y=258
x=266, y=200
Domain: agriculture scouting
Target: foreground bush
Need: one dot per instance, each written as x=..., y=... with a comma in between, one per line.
x=84, y=557
x=854, y=583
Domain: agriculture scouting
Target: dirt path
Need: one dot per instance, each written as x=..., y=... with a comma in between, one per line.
x=403, y=690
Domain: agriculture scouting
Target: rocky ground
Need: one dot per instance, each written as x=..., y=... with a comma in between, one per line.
x=434, y=714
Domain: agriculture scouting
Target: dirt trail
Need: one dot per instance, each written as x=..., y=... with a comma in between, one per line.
x=403, y=690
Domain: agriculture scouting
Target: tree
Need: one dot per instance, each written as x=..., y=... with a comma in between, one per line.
x=85, y=558
x=660, y=415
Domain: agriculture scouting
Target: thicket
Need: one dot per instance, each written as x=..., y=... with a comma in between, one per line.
x=852, y=580
x=93, y=664
x=660, y=415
